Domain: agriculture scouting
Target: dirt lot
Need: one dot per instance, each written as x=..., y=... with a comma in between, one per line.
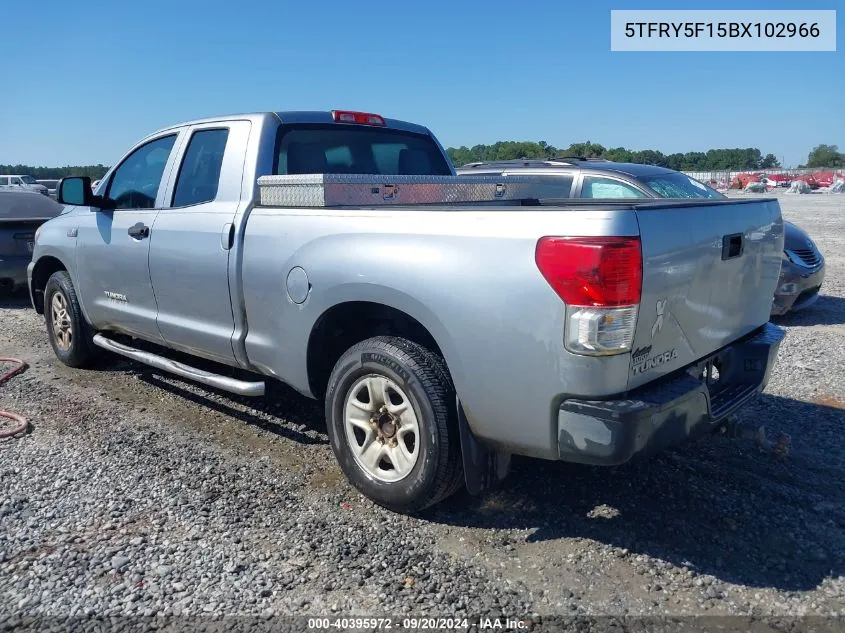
x=139, y=494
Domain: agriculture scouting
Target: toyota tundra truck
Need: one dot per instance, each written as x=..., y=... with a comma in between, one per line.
x=446, y=323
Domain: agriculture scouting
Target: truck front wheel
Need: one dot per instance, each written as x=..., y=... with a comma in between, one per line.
x=70, y=334
x=391, y=417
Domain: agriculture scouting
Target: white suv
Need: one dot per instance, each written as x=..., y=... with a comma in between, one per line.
x=18, y=182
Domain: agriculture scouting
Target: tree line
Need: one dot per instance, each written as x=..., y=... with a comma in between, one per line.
x=714, y=159
x=95, y=172
x=749, y=158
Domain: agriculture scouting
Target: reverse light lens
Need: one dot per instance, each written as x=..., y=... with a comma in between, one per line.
x=600, y=331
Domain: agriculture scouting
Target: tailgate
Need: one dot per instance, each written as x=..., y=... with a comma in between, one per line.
x=710, y=270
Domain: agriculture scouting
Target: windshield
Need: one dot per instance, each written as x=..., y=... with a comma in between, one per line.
x=679, y=186
x=342, y=149
x=28, y=180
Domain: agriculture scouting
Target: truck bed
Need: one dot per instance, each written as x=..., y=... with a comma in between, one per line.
x=468, y=275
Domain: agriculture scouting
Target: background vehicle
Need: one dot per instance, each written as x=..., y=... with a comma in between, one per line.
x=803, y=269
x=21, y=213
x=12, y=182
x=51, y=186
x=443, y=336
x=802, y=272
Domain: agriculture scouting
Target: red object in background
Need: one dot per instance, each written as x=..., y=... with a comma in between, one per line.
x=779, y=177
x=741, y=180
x=810, y=180
x=823, y=178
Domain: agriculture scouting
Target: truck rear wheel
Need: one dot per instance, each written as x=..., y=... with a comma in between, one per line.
x=69, y=333
x=392, y=422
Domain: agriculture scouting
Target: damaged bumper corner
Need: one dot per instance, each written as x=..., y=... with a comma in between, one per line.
x=666, y=412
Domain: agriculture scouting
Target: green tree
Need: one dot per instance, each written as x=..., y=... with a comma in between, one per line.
x=770, y=161
x=674, y=161
x=618, y=154
x=648, y=157
x=825, y=156
x=587, y=150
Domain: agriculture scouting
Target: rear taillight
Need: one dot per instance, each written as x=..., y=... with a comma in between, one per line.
x=600, y=280
x=363, y=118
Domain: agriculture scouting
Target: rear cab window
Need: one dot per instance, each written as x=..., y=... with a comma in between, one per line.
x=348, y=149
x=199, y=174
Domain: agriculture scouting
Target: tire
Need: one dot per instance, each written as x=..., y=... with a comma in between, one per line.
x=76, y=349
x=418, y=429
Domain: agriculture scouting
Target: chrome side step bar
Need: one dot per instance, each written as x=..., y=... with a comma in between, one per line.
x=232, y=385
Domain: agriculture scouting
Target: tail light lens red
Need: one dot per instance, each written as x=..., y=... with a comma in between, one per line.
x=592, y=271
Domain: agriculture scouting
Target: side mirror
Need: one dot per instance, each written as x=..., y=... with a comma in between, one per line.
x=76, y=190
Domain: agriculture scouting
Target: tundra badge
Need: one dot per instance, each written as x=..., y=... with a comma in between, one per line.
x=115, y=296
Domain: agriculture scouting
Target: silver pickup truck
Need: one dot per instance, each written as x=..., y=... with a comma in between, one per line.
x=447, y=324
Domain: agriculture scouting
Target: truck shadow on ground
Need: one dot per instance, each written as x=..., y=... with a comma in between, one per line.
x=827, y=310
x=720, y=506
x=282, y=411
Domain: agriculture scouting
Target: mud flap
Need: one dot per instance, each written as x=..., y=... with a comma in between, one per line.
x=484, y=468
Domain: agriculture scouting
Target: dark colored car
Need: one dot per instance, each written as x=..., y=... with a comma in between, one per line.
x=802, y=272
x=21, y=213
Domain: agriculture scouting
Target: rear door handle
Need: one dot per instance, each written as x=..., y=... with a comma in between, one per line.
x=227, y=236
x=732, y=246
x=139, y=231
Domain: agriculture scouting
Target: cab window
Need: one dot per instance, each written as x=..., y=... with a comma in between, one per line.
x=350, y=149
x=598, y=187
x=135, y=183
x=199, y=175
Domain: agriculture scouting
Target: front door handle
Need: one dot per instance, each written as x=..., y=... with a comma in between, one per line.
x=139, y=231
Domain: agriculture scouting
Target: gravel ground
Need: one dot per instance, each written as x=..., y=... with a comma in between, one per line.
x=137, y=494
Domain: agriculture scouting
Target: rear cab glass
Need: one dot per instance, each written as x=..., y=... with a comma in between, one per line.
x=349, y=149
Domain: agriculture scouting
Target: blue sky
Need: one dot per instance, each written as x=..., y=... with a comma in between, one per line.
x=86, y=79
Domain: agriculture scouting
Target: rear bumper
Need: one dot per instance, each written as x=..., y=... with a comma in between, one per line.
x=669, y=411
x=13, y=271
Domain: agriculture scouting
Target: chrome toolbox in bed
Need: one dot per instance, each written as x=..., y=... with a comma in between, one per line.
x=328, y=190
